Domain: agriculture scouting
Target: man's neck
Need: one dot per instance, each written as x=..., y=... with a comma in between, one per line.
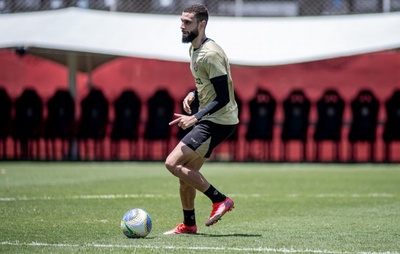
x=198, y=41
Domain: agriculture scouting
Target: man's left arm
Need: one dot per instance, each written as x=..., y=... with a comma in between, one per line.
x=221, y=88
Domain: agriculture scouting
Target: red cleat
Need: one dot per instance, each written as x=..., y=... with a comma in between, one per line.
x=219, y=209
x=182, y=229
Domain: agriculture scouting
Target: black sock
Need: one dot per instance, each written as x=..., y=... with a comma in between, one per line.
x=189, y=219
x=214, y=195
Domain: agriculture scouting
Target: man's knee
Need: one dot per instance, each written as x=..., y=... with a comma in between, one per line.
x=172, y=166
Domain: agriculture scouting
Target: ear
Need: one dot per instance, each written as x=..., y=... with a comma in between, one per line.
x=203, y=24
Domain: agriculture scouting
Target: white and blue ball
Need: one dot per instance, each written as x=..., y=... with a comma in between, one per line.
x=136, y=223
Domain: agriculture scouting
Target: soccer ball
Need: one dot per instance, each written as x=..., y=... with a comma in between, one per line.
x=136, y=223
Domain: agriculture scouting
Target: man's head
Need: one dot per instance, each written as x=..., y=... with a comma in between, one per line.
x=194, y=20
x=200, y=12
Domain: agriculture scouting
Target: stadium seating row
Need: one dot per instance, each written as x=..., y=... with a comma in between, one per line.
x=86, y=138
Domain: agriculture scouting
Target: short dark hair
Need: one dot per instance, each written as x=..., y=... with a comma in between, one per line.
x=199, y=10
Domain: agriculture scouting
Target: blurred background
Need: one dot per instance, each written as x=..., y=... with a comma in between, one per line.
x=262, y=8
x=341, y=109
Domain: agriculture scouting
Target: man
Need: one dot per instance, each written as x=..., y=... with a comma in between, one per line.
x=215, y=120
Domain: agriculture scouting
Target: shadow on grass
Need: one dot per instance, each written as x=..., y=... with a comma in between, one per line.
x=227, y=235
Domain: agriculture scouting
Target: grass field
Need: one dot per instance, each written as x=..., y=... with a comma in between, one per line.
x=279, y=208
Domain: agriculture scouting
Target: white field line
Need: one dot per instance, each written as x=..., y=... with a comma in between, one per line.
x=171, y=247
x=150, y=196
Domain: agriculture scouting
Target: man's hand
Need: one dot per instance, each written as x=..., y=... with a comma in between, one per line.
x=184, y=121
x=187, y=101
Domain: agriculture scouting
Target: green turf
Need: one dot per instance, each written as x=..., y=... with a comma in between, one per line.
x=280, y=208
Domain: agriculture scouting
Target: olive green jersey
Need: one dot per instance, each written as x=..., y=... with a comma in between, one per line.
x=207, y=62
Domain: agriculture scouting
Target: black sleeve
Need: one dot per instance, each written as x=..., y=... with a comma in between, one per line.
x=222, y=90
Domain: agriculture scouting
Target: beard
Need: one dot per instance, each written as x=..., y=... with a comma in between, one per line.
x=191, y=36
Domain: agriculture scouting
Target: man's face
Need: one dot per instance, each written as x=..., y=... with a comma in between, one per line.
x=189, y=27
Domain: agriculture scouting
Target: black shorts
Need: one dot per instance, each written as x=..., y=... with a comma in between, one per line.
x=206, y=135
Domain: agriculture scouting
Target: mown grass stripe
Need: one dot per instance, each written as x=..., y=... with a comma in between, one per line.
x=150, y=196
x=259, y=249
